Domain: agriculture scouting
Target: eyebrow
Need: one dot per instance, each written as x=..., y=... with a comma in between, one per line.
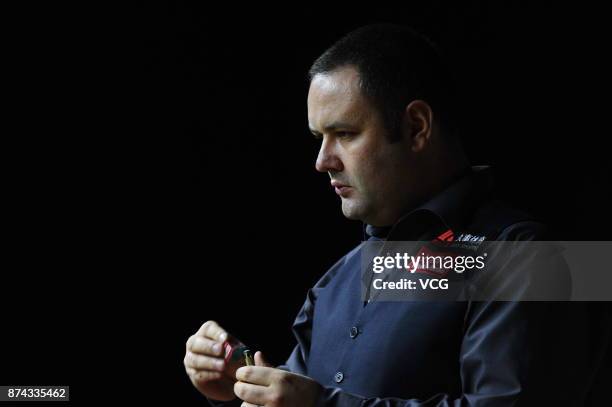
x=334, y=126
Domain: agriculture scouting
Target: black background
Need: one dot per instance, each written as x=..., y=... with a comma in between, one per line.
x=164, y=175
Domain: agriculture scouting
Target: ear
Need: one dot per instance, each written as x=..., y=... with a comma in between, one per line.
x=417, y=124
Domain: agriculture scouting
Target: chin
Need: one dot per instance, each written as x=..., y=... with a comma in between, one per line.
x=352, y=210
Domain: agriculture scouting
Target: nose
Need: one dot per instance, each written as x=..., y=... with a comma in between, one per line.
x=328, y=160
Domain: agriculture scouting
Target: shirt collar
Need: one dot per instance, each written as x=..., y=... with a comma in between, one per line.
x=448, y=209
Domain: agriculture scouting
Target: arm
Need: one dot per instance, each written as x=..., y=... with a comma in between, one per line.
x=302, y=326
x=302, y=330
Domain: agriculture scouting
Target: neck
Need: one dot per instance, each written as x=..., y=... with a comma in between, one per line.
x=439, y=177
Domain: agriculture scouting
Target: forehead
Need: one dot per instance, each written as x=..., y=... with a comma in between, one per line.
x=336, y=96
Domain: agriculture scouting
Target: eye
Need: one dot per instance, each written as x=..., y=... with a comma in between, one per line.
x=345, y=134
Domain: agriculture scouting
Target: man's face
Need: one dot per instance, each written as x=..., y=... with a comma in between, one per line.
x=371, y=175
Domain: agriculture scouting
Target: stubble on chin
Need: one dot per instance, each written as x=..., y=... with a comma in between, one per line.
x=352, y=208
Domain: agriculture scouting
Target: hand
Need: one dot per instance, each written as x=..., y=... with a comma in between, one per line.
x=205, y=364
x=263, y=385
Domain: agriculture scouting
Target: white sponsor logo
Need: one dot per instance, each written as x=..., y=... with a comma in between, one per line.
x=466, y=237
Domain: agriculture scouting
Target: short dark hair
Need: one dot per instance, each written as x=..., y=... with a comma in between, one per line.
x=396, y=65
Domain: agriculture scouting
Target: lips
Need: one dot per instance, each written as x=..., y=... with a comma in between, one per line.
x=341, y=189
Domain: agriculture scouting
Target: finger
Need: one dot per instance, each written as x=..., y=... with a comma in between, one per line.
x=201, y=362
x=260, y=360
x=255, y=374
x=251, y=393
x=205, y=346
x=202, y=375
x=212, y=330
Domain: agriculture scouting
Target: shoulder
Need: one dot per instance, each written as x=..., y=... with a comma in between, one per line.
x=498, y=220
x=340, y=265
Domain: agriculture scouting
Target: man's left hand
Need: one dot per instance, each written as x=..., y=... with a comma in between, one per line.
x=263, y=385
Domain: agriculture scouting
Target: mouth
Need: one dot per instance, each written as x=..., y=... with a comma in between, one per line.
x=341, y=189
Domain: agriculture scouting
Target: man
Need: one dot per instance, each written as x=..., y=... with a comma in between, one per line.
x=381, y=104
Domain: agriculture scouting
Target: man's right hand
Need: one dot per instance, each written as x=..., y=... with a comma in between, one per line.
x=205, y=364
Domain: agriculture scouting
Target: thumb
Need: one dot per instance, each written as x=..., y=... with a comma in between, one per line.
x=260, y=360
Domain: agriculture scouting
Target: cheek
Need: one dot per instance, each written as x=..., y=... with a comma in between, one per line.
x=370, y=164
x=371, y=161
x=380, y=173
x=365, y=178
x=362, y=170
